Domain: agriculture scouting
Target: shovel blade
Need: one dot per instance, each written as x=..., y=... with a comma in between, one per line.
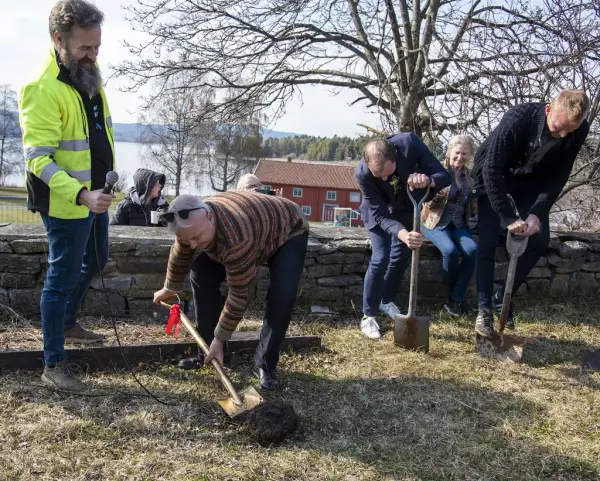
x=412, y=332
x=250, y=398
x=501, y=347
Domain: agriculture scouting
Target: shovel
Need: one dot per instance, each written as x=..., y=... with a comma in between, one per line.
x=503, y=346
x=237, y=402
x=410, y=331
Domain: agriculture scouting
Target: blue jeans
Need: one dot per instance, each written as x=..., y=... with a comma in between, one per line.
x=389, y=260
x=454, y=243
x=72, y=263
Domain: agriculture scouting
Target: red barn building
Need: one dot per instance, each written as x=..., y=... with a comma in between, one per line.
x=318, y=187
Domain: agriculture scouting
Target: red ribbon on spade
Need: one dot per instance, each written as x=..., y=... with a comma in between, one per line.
x=174, y=320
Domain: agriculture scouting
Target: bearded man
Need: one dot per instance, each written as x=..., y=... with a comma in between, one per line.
x=68, y=147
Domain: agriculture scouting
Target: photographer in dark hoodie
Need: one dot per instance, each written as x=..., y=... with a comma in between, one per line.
x=143, y=198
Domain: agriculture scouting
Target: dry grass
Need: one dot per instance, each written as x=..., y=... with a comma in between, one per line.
x=369, y=411
x=25, y=334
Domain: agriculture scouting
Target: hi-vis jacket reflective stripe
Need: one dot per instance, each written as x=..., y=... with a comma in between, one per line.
x=56, y=143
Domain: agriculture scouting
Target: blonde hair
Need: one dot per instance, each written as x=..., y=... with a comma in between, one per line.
x=575, y=102
x=458, y=140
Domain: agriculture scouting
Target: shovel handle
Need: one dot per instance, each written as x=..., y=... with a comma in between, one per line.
x=508, y=287
x=414, y=267
x=205, y=348
x=417, y=207
x=515, y=252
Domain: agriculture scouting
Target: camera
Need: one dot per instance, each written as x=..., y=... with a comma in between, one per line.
x=265, y=191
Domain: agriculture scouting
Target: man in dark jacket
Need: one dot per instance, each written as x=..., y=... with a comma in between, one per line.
x=143, y=198
x=528, y=156
x=387, y=167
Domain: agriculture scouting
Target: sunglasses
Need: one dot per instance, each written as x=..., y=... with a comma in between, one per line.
x=183, y=214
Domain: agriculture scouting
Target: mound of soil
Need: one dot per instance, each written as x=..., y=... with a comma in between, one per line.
x=269, y=423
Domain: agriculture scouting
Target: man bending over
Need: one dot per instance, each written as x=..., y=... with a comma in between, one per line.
x=387, y=167
x=529, y=156
x=233, y=233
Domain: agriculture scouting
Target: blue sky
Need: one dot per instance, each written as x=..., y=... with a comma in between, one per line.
x=25, y=39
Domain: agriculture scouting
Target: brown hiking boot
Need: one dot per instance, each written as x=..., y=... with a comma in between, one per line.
x=60, y=377
x=79, y=335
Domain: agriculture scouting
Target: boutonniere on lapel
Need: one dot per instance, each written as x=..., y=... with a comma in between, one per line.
x=395, y=183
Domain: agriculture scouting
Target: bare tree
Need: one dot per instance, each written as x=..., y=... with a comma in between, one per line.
x=11, y=160
x=123, y=183
x=578, y=205
x=229, y=150
x=436, y=67
x=426, y=66
x=171, y=133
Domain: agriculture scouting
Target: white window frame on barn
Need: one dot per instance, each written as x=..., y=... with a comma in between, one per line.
x=334, y=192
x=307, y=209
x=295, y=190
x=354, y=214
x=354, y=194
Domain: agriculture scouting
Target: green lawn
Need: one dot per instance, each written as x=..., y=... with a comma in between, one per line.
x=15, y=210
x=22, y=192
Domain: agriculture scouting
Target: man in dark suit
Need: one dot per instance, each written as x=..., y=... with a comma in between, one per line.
x=387, y=167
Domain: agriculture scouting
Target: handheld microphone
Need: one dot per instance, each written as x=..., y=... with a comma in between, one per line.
x=111, y=179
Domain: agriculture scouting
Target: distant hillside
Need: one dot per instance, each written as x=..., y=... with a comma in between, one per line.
x=131, y=133
x=274, y=134
x=127, y=132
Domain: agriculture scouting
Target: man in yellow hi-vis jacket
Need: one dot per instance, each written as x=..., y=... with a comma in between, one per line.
x=68, y=146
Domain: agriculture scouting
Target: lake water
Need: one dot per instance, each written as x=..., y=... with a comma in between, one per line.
x=130, y=157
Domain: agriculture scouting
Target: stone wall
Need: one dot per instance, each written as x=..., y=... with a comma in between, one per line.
x=336, y=261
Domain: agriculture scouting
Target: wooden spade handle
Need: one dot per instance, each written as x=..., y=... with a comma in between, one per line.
x=205, y=348
x=414, y=266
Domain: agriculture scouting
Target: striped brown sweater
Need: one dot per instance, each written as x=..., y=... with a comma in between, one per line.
x=249, y=228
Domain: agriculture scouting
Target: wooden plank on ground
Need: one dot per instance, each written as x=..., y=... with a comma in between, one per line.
x=112, y=357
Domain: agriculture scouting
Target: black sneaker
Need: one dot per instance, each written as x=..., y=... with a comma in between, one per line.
x=453, y=308
x=194, y=362
x=498, y=301
x=267, y=380
x=484, y=325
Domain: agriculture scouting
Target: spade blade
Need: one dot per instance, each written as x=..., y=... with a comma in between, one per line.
x=249, y=396
x=412, y=332
x=501, y=347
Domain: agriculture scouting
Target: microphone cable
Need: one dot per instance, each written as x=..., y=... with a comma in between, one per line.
x=114, y=322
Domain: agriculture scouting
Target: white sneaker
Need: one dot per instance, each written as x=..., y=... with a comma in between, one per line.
x=370, y=327
x=390, y=309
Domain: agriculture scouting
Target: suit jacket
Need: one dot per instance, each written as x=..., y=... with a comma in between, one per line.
x=383, y=203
